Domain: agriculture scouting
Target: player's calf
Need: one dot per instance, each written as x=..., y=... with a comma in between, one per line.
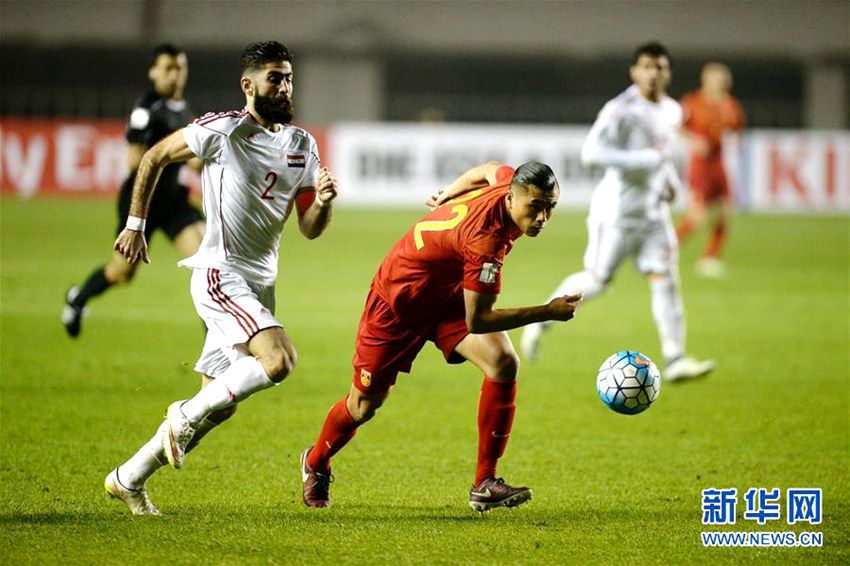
x=118, y=271
x=210, y=422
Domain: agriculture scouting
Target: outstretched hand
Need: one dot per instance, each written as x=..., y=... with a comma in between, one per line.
x=564, y=308
x=132, y=245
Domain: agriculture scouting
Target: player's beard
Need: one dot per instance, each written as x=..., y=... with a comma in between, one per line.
x=279, y=111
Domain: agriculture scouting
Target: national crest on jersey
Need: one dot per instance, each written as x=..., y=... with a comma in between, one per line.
x=489, y=273
x=250, y=178
x=296, y=160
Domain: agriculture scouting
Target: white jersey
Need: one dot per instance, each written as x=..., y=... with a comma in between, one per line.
x=250, y=178
x=629, y=139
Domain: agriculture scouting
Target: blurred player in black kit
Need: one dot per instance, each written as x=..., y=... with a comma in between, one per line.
x=158, y=112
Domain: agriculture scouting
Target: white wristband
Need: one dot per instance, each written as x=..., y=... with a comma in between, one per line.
x=135, y=223
x=321, y=203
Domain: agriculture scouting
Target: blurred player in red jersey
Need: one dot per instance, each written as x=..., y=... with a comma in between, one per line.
x=709, y=112
x=440, y=283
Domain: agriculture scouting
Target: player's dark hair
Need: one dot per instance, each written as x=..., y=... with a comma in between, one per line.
x=163, y=49
x=258, y=55
x=653, y=49
x=535, y=174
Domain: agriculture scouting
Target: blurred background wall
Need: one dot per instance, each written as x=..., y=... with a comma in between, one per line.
x=459, y=61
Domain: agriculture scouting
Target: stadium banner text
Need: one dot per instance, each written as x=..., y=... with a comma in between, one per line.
x=400, y=164
x=795, y=171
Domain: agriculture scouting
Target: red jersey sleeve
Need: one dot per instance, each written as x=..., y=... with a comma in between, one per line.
x=483, y=258
x=303, y=201
x=504, y=173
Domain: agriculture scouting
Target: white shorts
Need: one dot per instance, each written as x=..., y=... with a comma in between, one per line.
x=234, y=310
x=653, y=246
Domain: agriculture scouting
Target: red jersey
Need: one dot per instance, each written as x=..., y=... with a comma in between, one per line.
x=710, y=119
x=462, y=244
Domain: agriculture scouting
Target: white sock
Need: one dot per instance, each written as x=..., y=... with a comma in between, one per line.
x=135, y=472
x=669, y=315
x=583, y=282
x=242, y=379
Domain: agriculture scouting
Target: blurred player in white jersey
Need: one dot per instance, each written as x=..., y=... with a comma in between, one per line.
x=633, y=138
x=257, y=166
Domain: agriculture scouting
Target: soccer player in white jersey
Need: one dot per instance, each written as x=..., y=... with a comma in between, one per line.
x=256, y=168
x=632, y=139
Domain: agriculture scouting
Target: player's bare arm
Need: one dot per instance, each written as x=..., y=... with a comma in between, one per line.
x=133, y=155
x=131, y=241
x=196, y=163
x=315, y=219
x=475, y=178
x=482, y=318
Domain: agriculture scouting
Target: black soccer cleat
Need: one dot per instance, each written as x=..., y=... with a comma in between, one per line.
x=72, y=315
x=494, y=492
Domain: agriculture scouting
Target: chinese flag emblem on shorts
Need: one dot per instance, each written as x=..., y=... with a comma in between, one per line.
x=365, y=377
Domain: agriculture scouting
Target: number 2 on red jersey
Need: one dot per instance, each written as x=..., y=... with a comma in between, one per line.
x=458, y=210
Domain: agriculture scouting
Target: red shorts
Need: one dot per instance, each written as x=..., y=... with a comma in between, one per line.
x=708, y=181
x=386, y=345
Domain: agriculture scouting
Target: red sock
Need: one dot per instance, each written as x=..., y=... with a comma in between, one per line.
x=496, y=410
x=685, y=228
x=338, y=429
x=716, y=242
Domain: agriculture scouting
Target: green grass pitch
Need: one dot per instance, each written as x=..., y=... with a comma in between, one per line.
x=607, y=488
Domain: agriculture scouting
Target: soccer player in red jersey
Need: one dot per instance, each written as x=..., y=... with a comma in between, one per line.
x=439, y=283
x=709, y=112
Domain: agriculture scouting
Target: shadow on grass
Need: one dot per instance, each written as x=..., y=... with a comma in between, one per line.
x=534, y=515
x=58, y=518
x=363, y=514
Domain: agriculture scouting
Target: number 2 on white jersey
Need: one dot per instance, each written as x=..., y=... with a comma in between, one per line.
x=271, y=178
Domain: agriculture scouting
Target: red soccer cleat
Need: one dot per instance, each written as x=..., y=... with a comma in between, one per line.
x=494, y=492
x=316, y=485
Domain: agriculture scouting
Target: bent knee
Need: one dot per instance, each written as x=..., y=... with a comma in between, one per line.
x=367, y=410
x=506, y=366
x=363, y=408
x=279, y=364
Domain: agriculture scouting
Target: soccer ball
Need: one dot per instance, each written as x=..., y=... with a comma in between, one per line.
x=628, y=382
